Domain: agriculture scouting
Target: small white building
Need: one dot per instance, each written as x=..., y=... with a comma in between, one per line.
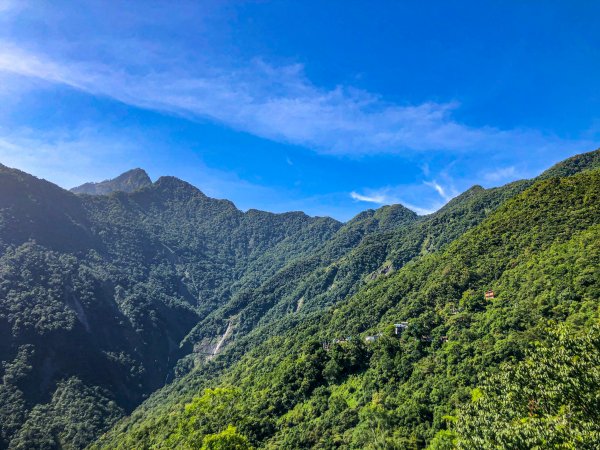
x=400, y=327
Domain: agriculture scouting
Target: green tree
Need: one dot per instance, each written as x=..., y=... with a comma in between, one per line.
x=228, y=439
x=549, y=400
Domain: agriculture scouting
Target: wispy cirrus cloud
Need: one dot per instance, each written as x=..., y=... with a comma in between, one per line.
x=168, y=60
x=379, y=199
x=444, y=192
x=275, y=102
x=414, y=196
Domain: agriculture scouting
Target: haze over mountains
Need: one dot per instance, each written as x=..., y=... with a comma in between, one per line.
x=114, y=289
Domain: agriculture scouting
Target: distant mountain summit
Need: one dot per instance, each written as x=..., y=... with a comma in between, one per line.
x=130, y=181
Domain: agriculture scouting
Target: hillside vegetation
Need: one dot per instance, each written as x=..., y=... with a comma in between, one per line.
x=280, y=387
x=149, y=315
x=98, y=293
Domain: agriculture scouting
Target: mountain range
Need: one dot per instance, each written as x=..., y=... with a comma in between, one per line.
x=140, y=314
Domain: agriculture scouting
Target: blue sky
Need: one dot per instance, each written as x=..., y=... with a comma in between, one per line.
x=328, y=107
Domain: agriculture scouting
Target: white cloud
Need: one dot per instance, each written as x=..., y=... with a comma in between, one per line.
x=378, y=198
x=274, y=102
x=277, y=102
x=439, y=189
x=406, y=195
x=447, y=193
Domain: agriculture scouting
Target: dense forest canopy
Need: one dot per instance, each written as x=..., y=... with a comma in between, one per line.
x=256, y=324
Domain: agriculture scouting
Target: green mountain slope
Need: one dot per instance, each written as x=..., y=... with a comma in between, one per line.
x=361, y=252
x=575, y=164
x=98, y=292
x=105, y=298
x=257, y=304
x=538, y=252
x=329, y=276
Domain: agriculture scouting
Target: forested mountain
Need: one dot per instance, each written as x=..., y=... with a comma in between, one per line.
x=536, y=250
x=257, y=321
x=372, y=245
x=130, y=181
x=98, y=292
